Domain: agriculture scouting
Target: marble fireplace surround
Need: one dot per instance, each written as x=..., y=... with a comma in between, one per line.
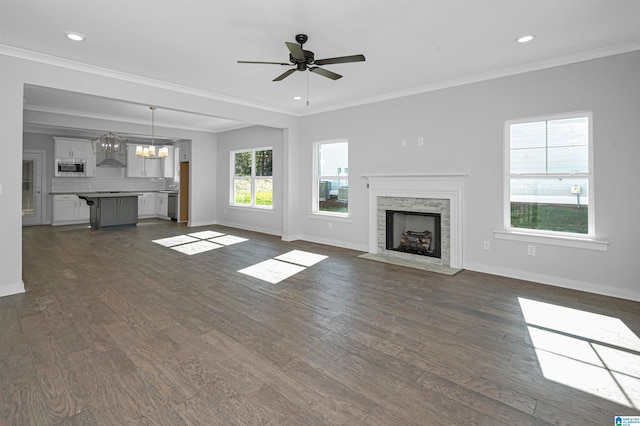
x=436, y=186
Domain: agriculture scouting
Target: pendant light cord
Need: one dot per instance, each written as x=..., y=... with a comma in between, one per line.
x=153, y=124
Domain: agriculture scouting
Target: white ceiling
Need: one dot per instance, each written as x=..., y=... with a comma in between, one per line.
x=410, y=46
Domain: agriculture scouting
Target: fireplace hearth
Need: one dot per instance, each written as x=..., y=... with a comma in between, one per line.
x=417, y=233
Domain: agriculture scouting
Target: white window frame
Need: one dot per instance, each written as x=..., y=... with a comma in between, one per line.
x=232, y=175
x=545, y=236
x=315, y=210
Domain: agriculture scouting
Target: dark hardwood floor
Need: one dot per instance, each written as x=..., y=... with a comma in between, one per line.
x=117, y=330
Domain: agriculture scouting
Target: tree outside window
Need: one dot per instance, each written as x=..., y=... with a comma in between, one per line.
x=252, y=178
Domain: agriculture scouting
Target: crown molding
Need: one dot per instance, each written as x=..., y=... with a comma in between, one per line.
x=131, y=78
x=476, y=78
x=520, y=69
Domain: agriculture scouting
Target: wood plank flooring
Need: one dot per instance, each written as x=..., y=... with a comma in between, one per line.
x=117, y=330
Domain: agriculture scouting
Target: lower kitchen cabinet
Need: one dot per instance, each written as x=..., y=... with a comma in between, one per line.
x=162, y=205
x=69, y=209
x=147, y=204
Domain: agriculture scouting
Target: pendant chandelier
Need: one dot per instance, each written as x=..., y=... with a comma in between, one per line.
x=149, y=151
x=109, y=143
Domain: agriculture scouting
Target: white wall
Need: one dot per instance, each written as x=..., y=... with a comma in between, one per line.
x=202, y=181
x=10, y=181
x=463, y=132
x=262, y=220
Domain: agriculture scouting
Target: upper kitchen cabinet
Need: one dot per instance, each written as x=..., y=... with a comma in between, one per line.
x=77, y=154
x=72, y=148
x=138, y=166
x=169, y=163
x=185, y=151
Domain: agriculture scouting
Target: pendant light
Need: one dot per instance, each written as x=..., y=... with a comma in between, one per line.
x=150, y=150
x=109, y=145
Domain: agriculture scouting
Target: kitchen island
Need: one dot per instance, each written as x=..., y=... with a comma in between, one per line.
x=112, y=209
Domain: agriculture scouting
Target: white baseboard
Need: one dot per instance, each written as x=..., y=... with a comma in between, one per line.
x=329, y=242
x=250, y=228
x=204, y=223
x=11, y=289
x=556, y=281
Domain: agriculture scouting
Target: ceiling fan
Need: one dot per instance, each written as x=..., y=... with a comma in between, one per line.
x=303, y=60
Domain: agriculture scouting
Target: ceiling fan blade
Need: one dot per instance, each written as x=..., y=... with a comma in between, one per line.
x=340, y=60
x=296, y=51
x=260, y=62
x=285, y=74
x=325, y=73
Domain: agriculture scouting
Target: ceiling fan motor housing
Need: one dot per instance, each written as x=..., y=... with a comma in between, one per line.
x=308, y=60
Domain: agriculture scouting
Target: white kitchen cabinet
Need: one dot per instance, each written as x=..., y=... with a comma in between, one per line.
x=147, y=204
x=72, y=148
x=141, y=166
x=90, y=163
x=79, y=149
x=185, y=151
x=69, y=209
x=168, y=164
x=162, y=205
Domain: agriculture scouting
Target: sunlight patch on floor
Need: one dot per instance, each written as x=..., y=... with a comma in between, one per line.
x=282, y=267
x=227, y=240
x=174, y=241
x=195, y=248
x=272, y=271
x=300, y=257
x=204, y=235
x=587, y=351
x=199, y=242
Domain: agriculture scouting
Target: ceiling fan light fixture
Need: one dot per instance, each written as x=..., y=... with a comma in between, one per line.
x=525, y=38
x=74, y=36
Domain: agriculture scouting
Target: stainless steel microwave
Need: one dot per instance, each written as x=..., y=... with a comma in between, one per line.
x=70, y=167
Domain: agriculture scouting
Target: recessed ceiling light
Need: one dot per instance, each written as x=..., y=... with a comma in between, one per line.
x=72, y=35
x=297, y=98
x=525, y=39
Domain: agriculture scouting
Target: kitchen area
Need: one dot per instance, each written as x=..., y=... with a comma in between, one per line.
x=106, y=182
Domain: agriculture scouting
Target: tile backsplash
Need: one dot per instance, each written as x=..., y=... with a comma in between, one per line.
x=109, y=179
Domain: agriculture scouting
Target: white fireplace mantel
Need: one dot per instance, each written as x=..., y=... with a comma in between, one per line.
x=449, y=186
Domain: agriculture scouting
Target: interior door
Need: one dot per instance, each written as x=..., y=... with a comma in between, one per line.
x=32, y=188
x=184, y=192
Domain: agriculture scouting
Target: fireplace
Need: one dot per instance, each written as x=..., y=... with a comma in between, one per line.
x=420, y=193
x=413, y=232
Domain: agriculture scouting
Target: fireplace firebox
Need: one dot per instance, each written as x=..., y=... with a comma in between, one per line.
x=413, y=232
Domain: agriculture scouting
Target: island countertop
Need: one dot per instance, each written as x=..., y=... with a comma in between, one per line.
x=86, y=195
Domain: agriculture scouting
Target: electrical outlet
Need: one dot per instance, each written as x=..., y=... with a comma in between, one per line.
x=403, y=143
x=330, y=225
x=487, y=246
x=420, y=141
x=531, y=250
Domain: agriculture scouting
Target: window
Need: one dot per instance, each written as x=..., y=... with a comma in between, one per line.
x=252, y=178
x=549, y=175
x=331, y=178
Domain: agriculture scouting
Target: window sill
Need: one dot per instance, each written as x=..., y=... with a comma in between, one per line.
x=331, y=217
x=270, y=210
x=583, y=243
